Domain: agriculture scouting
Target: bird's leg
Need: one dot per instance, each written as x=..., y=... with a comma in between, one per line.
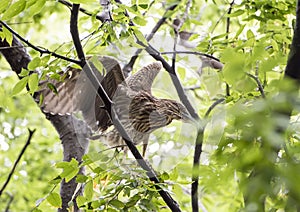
x=144, y=148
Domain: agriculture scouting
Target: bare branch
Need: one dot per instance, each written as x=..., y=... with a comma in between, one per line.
x=259, y=84
x=128, y=67
x=227, y=31
x=216, y=103
x=40, y=50
x=31, y=132
x=11, y=198
x=193, y=53
x=228, y=19
x=192, y=88
x=99, y=17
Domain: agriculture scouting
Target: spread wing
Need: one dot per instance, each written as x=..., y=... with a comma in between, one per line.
x=76, y=93
x=143, y=79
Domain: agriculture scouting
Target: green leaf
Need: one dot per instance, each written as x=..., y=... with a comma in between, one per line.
x=117, y=204
x=70, y=169
x=181, y=72
x=24, y=72
x=165, y=176
x=52, y=88
x=19, y=86
x=45, y=60
x=240, y=30
x=139, y=21
x=250, y=34
x=88, y=190
x=81, y=178
x=14, y=9
x=139, y=35
x=34, y=63
x=80, y=200
x=236, y=13
x=96, y=62
x=37, y=7
x=8, y=36
x=56, y=180
x=4, y=4
x=33, y=82
x=54, y=199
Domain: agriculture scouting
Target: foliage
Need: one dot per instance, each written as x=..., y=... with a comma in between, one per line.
x=247, y=151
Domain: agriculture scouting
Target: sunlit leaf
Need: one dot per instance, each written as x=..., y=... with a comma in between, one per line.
x=70, y=169
x=33, y=82
x=34, y=63
x=236, y=13
x=24, y=73
x=7, y=35
x=80, y=200
x=14, y=9
x=117, y=204
x=54, y=199
x=4, y=4
x=20, y=86
x=139, y=35
x=37, y=7
x=139, y=21
x=88, y=190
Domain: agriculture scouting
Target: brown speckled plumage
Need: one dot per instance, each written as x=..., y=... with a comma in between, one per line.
x=138, y=110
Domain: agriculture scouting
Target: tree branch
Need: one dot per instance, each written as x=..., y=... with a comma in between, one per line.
x=128, y=67
x=31, y=132
x=40, y=50
x=260, y=87
x=193, y=53
x=227, y=36
x=18, y=58
x=292, y=69
x=199, y=140
x=107, y=102
x=68, y=4
x=216, y=103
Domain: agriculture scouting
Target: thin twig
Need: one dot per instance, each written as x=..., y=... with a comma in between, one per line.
x=193, y=53
x=177, y=29
x=107, y=102
x=31, y=132
x=192, y=88
x=228, y=20
x=259, y=84
x=128, y=67
x=216, y=103
x=227, y=38
x=40, y=50
x=11, y=198
x=68, y=4
x=199, y=140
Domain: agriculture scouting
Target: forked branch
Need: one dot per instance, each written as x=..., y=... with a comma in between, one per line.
x=172, y=204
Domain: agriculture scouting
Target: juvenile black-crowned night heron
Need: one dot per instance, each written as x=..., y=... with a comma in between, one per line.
x=137, y=109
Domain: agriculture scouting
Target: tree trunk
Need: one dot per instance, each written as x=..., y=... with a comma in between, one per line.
x=73, y=132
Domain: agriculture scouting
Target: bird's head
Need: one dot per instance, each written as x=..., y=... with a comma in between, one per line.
x=176, y=110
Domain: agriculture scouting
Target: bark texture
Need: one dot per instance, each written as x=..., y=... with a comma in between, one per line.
x=73, y=132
